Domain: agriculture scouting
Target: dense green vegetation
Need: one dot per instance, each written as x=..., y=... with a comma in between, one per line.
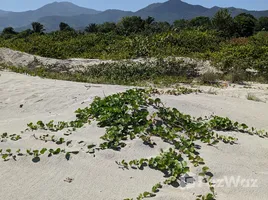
x=234, y=44
x=67, y=44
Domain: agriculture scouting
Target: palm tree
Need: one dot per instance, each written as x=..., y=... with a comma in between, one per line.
x=64, y=27
x=37, y=27
x=149, y=20
x=91, y=28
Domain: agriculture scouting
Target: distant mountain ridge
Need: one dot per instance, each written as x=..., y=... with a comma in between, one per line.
x=3, y=13
x=172, y=10
x=18, y=19
x=52, y=14
x=52, y=22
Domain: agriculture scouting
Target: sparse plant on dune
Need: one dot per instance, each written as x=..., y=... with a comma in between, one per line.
x=253, y=97
x=13, y=137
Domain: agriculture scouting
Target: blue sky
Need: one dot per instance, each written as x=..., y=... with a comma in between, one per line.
x=133, y=5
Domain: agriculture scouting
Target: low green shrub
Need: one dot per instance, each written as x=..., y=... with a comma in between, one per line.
x=124, y=73
x=209, y=77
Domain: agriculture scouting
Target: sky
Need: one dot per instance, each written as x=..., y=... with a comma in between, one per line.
x=130, y=5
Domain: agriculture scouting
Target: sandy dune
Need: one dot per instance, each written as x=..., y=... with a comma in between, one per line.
x=11, y=57
x=100, y=178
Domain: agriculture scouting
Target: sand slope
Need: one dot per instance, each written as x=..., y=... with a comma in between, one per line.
x=100, y=177
x=11, y=57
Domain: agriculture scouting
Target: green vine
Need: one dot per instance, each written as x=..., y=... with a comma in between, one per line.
x=137, y=113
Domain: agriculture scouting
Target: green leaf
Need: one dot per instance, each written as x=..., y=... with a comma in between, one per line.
x=68, y=156
x=57, y=151
x=205, y=169
x=4, y=156
x=43, y=151
x=91, y=146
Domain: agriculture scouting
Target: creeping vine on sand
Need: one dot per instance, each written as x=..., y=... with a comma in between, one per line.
x=138, y=113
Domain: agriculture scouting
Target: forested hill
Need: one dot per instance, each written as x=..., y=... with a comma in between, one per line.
x=52, y=14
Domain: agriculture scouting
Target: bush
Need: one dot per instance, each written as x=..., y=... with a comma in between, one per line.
x=238, y=56
x=253, y=97
x=124, y=73
x=237, y=76
x=209, y=78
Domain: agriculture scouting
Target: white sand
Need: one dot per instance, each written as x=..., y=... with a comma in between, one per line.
x=99, y=178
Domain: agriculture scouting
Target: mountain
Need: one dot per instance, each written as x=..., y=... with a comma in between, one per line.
x=177, y=9
x=3, y=13
x=168, y=11
x=52, y=14
x=18, y=19
x=172, y=10
x=52, y=22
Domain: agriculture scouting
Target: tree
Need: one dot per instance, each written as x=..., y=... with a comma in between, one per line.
x=38, y=27
x=204, y=22
x=130, y=25
x=107, y=27
x=64, y=27
x=159, y=27
x=224, y=23
x=91, y=28
x=25, y=33
x=262, y=24
x=148, y=25
x=180, y=24
x=149, y=20
x=9, y=30
x=245, y=24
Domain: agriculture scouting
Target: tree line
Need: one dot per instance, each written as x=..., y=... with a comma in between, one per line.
x=243, y=25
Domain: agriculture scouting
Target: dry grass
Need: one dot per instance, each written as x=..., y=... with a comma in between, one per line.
x=253, y=97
